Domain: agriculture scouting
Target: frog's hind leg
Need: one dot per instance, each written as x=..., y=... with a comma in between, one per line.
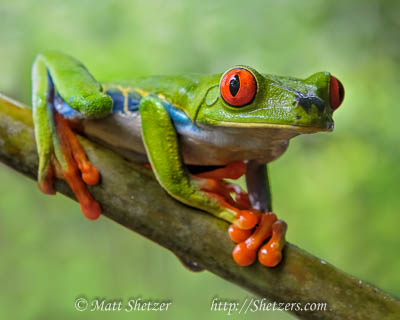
x=56, y=77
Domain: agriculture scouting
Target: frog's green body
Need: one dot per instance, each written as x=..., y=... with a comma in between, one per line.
x=180, y=122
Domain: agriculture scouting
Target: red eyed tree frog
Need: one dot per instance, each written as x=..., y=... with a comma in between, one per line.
x=193, y=130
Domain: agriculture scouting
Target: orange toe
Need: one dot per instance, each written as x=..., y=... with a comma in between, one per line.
x=245, y=253
x=91, y=210
x=238, y=235
x=243, y=256
x=270, y=254
x=90, y=175
x=246, y=219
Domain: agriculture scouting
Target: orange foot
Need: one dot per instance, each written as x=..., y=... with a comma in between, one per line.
x=270, y=254
x=73, y=166
x=251, y=227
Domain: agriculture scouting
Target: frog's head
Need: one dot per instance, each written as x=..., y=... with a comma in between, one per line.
x=246, y=98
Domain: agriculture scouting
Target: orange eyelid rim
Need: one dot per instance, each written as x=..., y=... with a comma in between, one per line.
x=247, y=90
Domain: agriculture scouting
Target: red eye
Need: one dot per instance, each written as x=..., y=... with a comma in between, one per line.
x=238, y=87
x=336, y=92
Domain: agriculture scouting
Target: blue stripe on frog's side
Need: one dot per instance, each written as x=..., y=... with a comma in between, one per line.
x=126, y=101
x=182, y=122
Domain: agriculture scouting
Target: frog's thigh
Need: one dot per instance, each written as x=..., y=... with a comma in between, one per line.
x=161, y=143
x=76, y=85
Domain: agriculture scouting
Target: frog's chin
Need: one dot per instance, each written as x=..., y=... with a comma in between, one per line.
x=286, y=127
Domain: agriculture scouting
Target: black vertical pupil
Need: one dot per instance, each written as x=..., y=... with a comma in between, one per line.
x=234, y=85
x=341, y=91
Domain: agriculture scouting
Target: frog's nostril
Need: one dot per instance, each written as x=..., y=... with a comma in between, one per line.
x=336, y=92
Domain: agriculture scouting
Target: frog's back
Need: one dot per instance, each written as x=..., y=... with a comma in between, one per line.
x=182, y=91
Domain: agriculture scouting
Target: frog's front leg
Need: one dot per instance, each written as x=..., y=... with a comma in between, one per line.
x=161, y=143
x=245, y=252
x=58, y=77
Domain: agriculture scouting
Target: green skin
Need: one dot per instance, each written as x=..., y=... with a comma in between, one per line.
x=273, y=116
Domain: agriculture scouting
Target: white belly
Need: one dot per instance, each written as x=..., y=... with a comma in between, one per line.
x=210, y=145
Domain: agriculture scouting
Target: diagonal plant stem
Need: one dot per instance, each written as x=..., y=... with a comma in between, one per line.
x=198, y=238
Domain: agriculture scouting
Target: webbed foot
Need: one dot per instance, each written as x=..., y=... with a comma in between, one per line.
x=270, y=254
x=251, y=228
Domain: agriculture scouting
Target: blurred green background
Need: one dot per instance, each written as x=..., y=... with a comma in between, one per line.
x=339, y=192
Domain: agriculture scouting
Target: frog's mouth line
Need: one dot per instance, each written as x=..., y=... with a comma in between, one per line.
x=297, y=128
